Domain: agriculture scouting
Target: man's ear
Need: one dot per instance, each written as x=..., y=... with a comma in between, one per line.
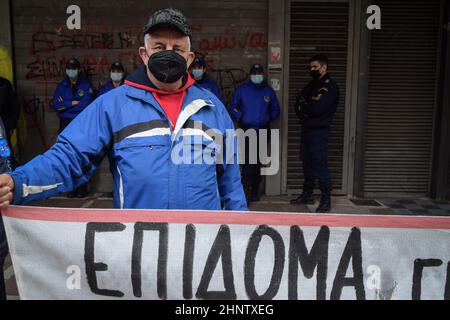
x=190, y=59
x=144, y=55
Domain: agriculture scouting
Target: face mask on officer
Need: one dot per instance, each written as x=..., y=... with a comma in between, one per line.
x=72, y=73
x=257, y=78
x=315, y=74
x=116, y=76
x=167, y=66
x=197, y=73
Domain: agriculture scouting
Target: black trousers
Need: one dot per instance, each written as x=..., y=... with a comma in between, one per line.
x=251, y=169
x=314, y=156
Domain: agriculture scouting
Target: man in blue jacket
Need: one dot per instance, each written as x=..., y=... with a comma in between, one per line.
x=146, y=124
x=117, y=74
x=72, y=96
x=254, y=106
x=198, y=71
x=315, y=107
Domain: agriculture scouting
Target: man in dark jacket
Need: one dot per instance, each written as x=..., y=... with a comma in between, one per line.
x=315, y=107
x=9, y=107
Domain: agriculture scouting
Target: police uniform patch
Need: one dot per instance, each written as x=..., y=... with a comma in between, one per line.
x=81, y=92
x=327, y=81
x=267, y=99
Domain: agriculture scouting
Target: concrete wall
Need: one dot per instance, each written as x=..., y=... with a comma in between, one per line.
x=233, y=34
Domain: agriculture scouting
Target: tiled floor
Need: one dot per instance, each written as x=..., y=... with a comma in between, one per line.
x=343, y=205
x=422, y=207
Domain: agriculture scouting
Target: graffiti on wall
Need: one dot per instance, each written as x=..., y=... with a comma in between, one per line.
x=98, y=46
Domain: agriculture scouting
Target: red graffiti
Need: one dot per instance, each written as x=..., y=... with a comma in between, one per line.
x=249, y=41
x=46, y=68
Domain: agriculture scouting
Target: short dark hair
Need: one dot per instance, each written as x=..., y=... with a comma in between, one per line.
x=321, y=58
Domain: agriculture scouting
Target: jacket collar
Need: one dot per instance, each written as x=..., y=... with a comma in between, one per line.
x=140, y=87
x=68, y=83
x=324, y=78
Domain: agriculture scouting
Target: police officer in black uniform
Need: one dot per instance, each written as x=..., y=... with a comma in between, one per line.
x=315, y=107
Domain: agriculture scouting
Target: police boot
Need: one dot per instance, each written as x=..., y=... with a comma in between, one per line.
x=325, y=203
x=305, y=198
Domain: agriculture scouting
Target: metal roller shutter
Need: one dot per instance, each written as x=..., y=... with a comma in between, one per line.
x=317, y=27
x=401, y=96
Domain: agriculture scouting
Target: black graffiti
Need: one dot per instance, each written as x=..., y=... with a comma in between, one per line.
x=136, y=258
x=221, y=249
x=352, y=252
x=34, y=106
x=91, y=266
x=249, y=264
x=317, y=257
x=228, y=79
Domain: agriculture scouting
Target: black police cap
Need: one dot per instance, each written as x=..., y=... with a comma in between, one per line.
x=171, y=17
x=117, y=66
x=256, y=68
x=73, y=64
x=199, y=61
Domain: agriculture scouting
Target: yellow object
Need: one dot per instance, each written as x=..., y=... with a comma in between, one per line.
x=5, y=64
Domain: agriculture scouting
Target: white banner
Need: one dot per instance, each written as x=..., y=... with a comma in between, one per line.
x=134, y=254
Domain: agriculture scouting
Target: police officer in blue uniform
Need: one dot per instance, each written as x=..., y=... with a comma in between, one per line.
x=72, y=96
x=254, y=106
x=117, y=75
x=198, y=72
x=315, y=107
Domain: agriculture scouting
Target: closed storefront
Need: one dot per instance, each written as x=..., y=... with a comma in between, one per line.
x=318, y=27
x=401, y=98
x=393, y=95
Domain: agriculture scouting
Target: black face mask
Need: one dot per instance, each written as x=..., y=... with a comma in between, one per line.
x=167, y=66
x=315, y=74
